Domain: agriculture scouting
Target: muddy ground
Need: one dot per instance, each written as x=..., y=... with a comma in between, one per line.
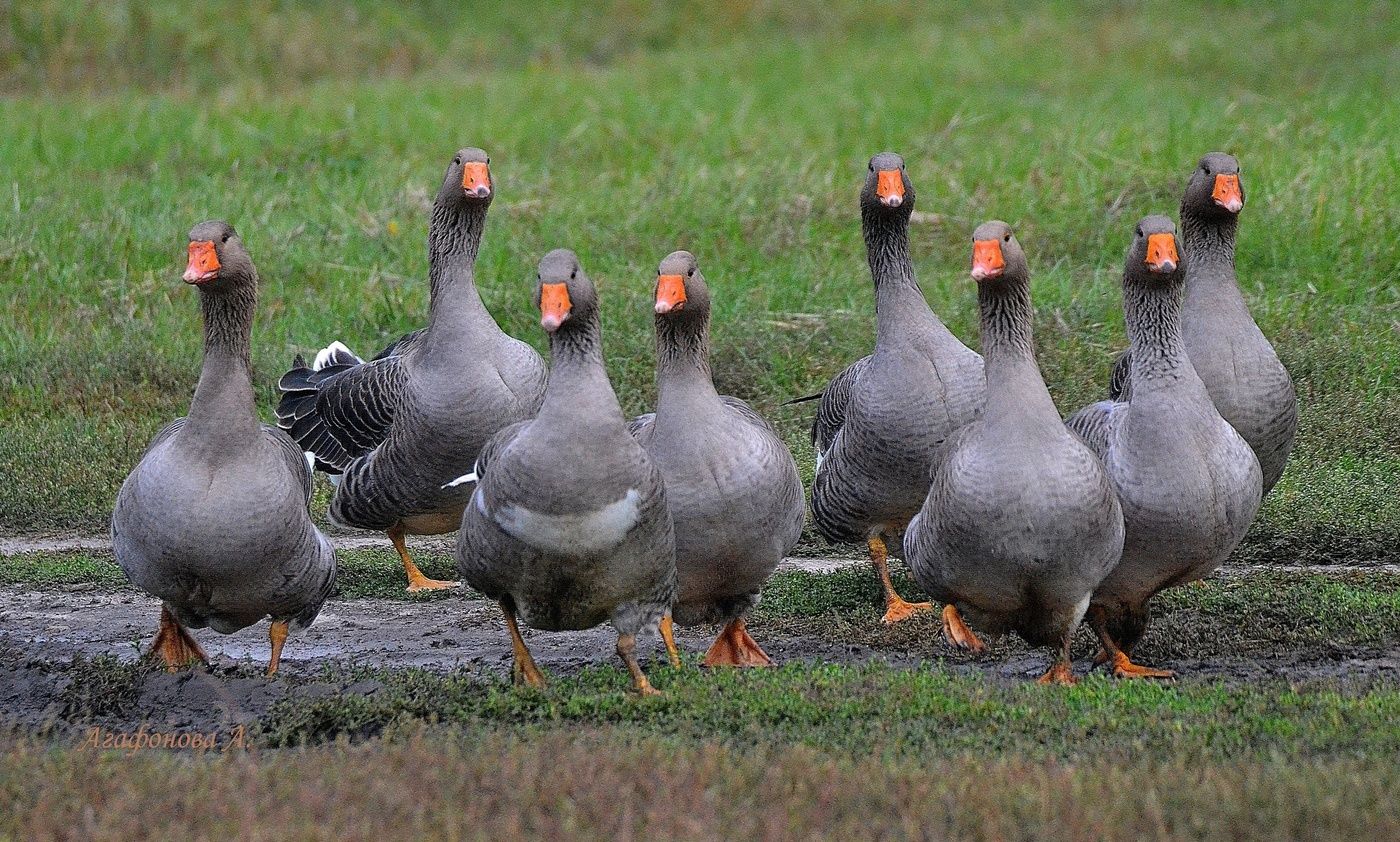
x=46, y=637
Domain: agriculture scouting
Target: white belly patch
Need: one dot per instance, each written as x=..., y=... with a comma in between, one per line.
x=572, y=534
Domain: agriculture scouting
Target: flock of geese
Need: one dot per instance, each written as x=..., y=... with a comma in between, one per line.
x=569, y=515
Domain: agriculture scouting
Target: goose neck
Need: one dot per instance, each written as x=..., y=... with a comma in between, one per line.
x=1209, y=241
x=578, y=386
x=897, y=293
x=454, y=238
x=223, y=400
x=1153, y=315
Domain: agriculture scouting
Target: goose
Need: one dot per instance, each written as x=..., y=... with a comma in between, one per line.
x=1021, y=522
x=1240, y=369
x=731, y=484
x=1188, y=482
x=215, y=521
x=568, y=525
x=881, y=420
x=390, y=431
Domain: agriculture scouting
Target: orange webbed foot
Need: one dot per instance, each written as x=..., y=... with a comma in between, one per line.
x=957, y=633
x=1123, y=667
x=897, y=610
x=1059, y=674
x=736, y=648
x=174, y=645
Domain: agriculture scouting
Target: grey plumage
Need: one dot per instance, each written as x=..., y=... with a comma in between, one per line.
x=1188, y=483
x=896, y=407
x=404, y=423
x=1239, y=367
x=568, y=524
x=831, y=411
x=734, y=492
x=214, y=519
x=1021, y=522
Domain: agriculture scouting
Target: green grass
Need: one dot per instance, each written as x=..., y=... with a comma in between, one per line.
x=902, y=714
x=608, y=783
x=739, y=131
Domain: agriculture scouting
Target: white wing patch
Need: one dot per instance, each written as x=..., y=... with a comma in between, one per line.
x=572, y=535
x=462, y=480
x=329, y=353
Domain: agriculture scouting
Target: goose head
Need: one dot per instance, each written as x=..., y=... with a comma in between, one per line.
x=1154, y=254
x=681, y=293
x=1215, y=188
x=218, y=261
x=563, y=293
x=468, y=178
x=997, y=254
x=887, y=187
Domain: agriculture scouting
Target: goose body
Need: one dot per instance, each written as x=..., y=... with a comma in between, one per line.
x=1235, y=361
x=214, y=520
x=1189, y=484
x=732, y=486
x=882, y=422
x=568, y=525
x=394, y=429
x=1021, y=522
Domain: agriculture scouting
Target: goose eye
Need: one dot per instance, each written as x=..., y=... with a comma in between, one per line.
x=225, y=238
x=488, y=160
x=573, y=274
x=457, y=162
x=1006, y=239
x=1206, y=170
x=690, y=273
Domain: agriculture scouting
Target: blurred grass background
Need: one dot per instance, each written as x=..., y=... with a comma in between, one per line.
x=738, y=130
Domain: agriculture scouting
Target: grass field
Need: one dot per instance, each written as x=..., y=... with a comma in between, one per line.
x=740, y=134
x=624, y=129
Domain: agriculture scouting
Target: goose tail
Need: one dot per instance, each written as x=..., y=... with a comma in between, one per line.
x=296, y=410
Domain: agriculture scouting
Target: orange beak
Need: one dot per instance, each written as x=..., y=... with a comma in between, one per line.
x=554, y=305
x=204, y=262
x=987, y=261
x=476, y=179
x=670, y=293
x=1161, y=253
x=1227, y=192
x=889, y=188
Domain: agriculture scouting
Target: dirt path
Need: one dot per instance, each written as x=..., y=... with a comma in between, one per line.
x=41, y=632
x=11, y=545
x=451, y=633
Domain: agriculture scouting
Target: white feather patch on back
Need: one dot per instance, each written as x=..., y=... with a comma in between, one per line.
x=328, y=353
x=462, y=480
x=465, y=478
x=573, y=535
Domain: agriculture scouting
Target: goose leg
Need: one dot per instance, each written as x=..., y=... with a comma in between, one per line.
x=1123, y=666
x=958, y=633
x=523, y=668
x=735, y=648
x=1060, y=672
x=174, y=644
x=627, y=651
x=277, y=633
x=416, y=580
x=896, y=608
x=668, y=636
